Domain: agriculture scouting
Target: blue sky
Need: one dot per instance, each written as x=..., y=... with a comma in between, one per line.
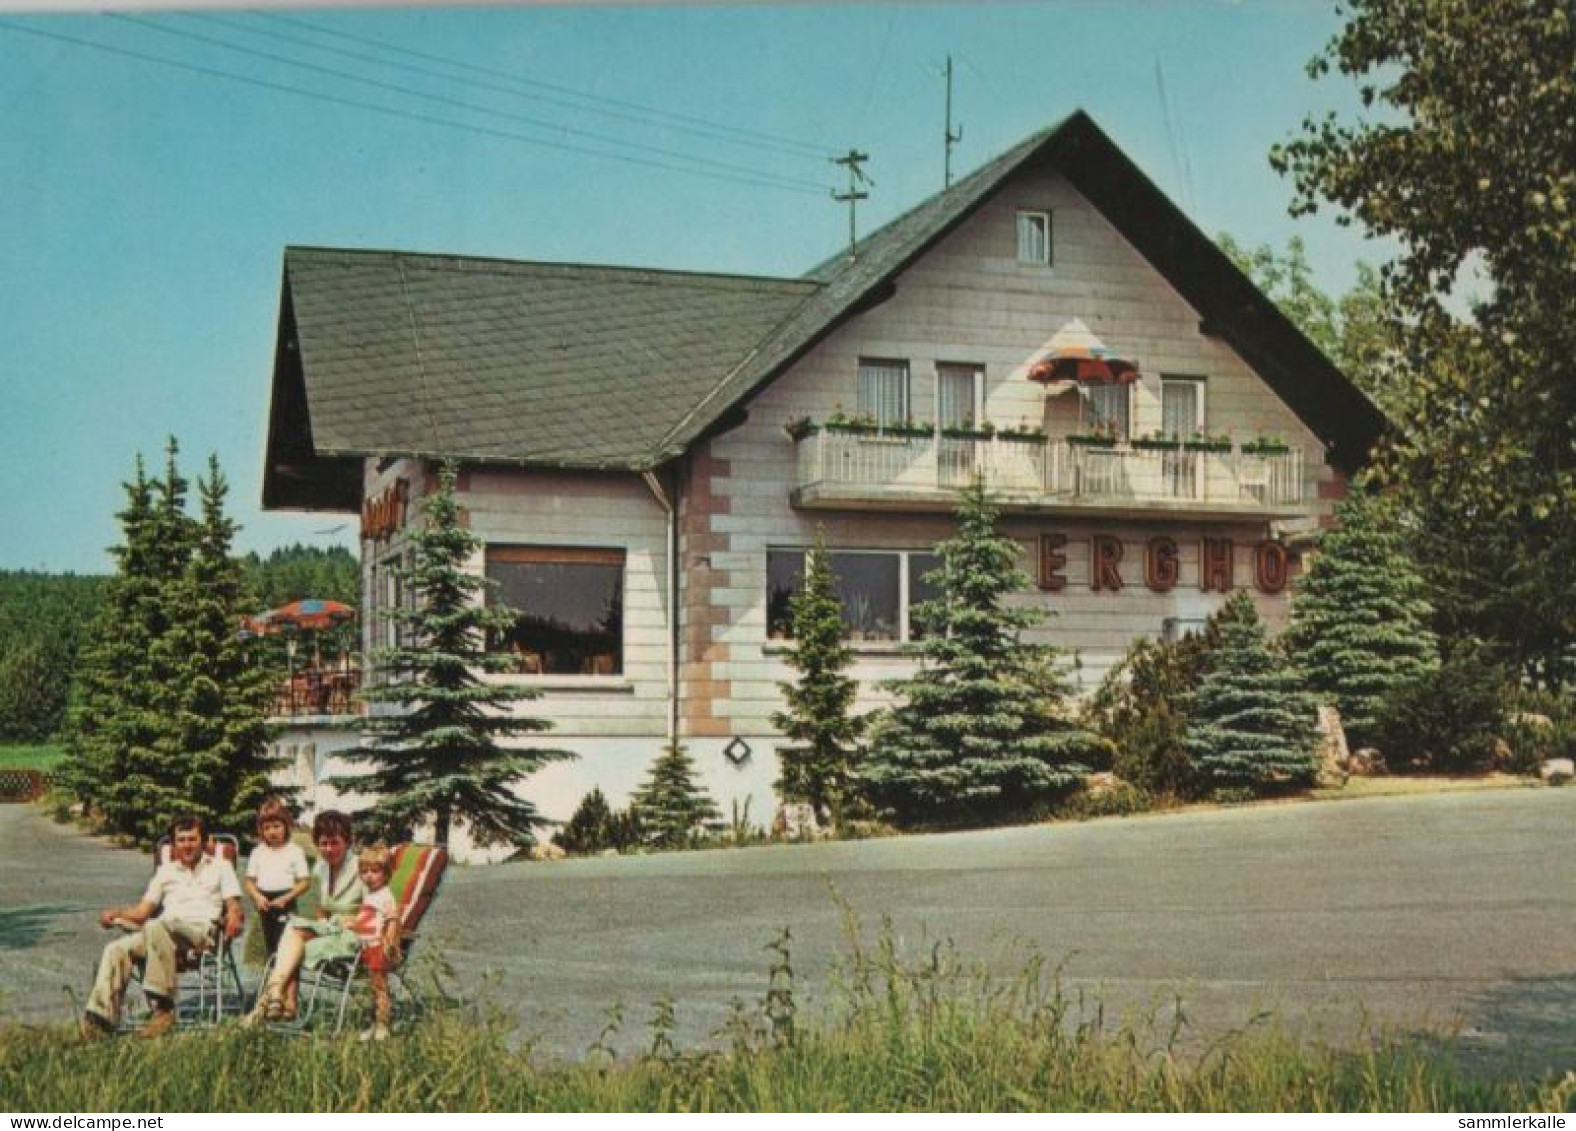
x=146, y=204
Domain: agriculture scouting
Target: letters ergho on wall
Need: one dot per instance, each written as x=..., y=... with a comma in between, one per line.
x=1163, y=564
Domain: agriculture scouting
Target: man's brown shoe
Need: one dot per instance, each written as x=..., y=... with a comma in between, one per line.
x=158, y=1025
x=94, y=1028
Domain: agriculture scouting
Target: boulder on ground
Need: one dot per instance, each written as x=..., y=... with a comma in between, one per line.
x=547, y=852
x=1366, y=763
x=797, y=821
x=1334, y=757
x=1097, y=785
x=1557, y=771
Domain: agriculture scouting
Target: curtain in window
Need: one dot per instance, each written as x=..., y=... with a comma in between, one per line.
x=1108, y=408
x=883, y=391
x=1033, y=237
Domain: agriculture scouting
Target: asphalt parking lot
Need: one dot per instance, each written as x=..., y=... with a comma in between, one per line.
x=1447, y=910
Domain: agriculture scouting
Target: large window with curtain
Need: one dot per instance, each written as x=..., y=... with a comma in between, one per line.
x=883, y=390
x=570, y=601
x=878, y=589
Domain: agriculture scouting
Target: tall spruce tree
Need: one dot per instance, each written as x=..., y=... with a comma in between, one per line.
x=221, y=717
x=125, y=759
x=169, y=716
x=671, y=808
x=98, y=731
x=817, y=765
x=1250, y=724
x=980, y=733
x=1360, y=623
x=437, y=755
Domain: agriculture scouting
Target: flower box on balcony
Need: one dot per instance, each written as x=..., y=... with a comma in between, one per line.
x=1022, y=435
x=908, y=431
x=1088, y=441
x=1265, y=448
x=1217, y=444
x=1157, y=444
x=800, y=427
x=851, y=428
x=957, y=433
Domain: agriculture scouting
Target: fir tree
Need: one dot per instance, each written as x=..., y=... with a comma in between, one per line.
x=1250, y=724
x=981, y=732
x=816, y=767
x=224, y=692
x=123, y=765
x=97, y=731
x=1359, y=619
x=672, y=809
x=436, y=756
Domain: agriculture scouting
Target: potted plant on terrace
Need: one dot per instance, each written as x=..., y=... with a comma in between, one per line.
x=1205, y=442
x=1098, y=436
x=968, y=430
x=1158, y=442
x=799, y=427
x=1022, y=434
x=1267, y=445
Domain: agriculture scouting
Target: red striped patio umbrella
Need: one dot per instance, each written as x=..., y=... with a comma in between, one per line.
x=1075, y=356
x=309, y=613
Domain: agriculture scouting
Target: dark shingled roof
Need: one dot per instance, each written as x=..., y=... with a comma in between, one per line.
x=600, y=367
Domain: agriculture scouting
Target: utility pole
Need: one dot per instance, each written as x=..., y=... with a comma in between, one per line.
x=949, y=138
x=856, y=177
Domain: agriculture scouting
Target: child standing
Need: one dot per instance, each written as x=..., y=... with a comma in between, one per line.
x=276, y=871
x=376, y=926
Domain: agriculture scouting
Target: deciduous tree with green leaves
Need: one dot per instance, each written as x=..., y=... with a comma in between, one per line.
x=817, y=763
x=436, y=750
x=1251, y=725
x=1467, y=161
x=979, y=733
x=1360, y=623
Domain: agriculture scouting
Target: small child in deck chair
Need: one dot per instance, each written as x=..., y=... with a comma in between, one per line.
x=377, y=926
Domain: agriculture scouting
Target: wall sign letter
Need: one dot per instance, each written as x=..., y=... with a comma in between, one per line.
x=1214, y=564
x=384, y=513
x=1105, y=552
x=1161, y=568
x=1271, y=566
x=1051, y=562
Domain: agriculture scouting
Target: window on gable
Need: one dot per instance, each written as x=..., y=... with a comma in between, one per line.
x=883, y=391
x=571, y=606
x=1034, y=238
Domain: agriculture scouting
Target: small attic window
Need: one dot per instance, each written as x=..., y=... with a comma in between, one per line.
x=1034, y=238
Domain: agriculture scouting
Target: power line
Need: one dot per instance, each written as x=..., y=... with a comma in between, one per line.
x=642, y=117
x=760, y=180
x=806, y=148
x=459, y=103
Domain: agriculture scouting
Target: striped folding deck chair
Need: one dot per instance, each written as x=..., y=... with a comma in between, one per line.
x=326, y=990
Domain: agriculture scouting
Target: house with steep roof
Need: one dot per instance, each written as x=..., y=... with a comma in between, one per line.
x=647, y=454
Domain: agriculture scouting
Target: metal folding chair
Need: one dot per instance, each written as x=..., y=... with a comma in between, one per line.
x=326, y=990
x=210, y=987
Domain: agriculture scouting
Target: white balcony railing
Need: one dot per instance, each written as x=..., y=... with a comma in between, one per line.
x=1048, y=471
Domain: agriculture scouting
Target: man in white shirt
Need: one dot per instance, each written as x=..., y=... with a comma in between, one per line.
x=183, y=901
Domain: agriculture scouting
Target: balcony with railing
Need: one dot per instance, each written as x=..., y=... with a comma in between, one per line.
x=922, y=470
x=317, y=693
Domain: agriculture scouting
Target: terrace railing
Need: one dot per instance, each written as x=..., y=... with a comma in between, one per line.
x=1036, y=470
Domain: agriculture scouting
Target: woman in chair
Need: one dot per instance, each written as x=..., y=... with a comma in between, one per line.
x=311, y=942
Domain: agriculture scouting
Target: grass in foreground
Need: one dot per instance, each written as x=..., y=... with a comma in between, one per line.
x=30, y=756
x=922, y=1036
